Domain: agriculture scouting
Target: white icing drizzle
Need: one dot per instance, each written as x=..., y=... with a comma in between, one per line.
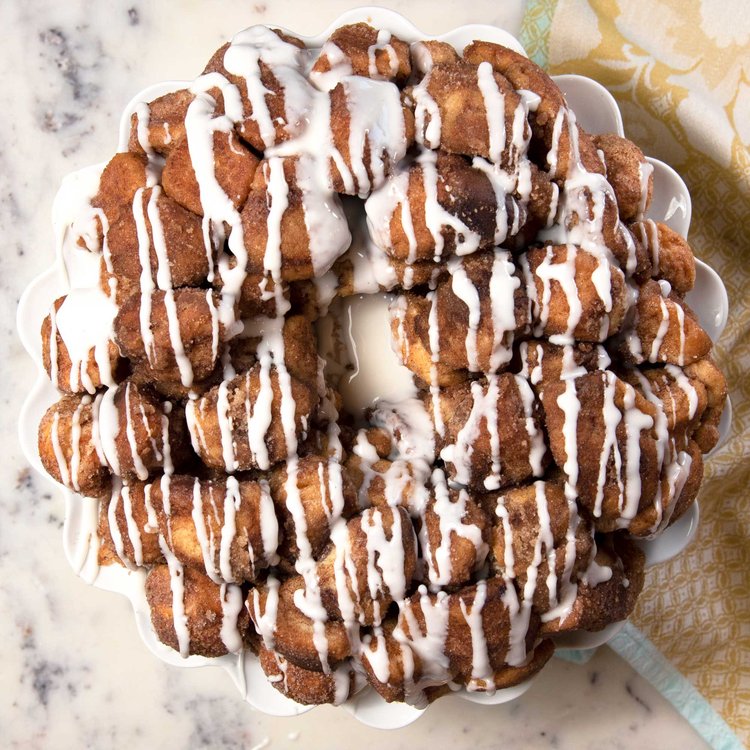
x=376, y=128
x=494, y=104
x=450, y=513
x=177, y=584
x=645, y=171
x=382, y=45
x=465, y=290
x=83, y=324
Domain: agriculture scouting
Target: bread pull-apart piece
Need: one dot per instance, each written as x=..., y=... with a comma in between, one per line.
x=258, y=294
x=226, y=177
x=173, y=336
x=225, y=528
x=290, y=620
x=467, y=324
x=681, y=398
x=306, y=686
x=539, y=541
x=681, y=423
x=361, y=50
x=442, y=204
x=265, y=65
x=399, y=483
x=427, y=53
x=370, y=563
x=158, y=244
x=193, y=615
x=542, y=362
x=489, y=431
x=706, y=372
x=290, y=341
x=669, y=254
x=310, y=495
x=128, y=528
x=574, y=294
x=70, y=448
x=78, y=348
x=471, y=110
x=370, y=130
x=558, y=143
x=157, y=126
x=252, y=421
x=602, y=433
x=124, y=429
x=124, y=174
x=607, y=590
x=139, y=434
x=454, y=535
x=292, y=228
x=465, y=637
x=663, y=329
x=629, y=174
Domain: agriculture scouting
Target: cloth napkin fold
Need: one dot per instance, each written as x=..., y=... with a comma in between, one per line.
x=680, y=72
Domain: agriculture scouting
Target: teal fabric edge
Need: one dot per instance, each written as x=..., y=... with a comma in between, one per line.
x=636, y=649
x=575, y=655
x=534, y=33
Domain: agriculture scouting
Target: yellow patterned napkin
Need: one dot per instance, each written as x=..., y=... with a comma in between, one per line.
x=680, y=71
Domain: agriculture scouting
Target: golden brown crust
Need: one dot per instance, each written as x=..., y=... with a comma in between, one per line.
x=670, y=256
x=367, y=588
x=234, y=168
x=427, y=53
x=322, y=490
x=571, y=145
x=542, y=362
x=259, y=219
x=517, y=516
x=362, y=171
x=204, y=616
x=142, y=427
x=359, y=49
x=187, y=263
x=615, y=478
x=193, y=520
x=294, y=635
x=165, y=125
x=612, y=600
x=242, y=393
x=504, y=435
x=305, y=686
x=552, y=306
x=665, y=330
x=412, y=320
x=126, y=534
x=455, y=88
x=79, y=376
x=629, y=174
x=68, y=446
x=195, y=310
x=274, y=98
x=542, y=315
x=124, y=174
x=464, y=543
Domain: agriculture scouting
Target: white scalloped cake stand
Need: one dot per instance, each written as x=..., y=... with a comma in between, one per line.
x=597, y=112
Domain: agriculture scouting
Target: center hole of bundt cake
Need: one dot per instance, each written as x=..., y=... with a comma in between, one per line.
x=355, y=340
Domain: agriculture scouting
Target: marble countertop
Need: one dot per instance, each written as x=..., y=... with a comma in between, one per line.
x=73, y=671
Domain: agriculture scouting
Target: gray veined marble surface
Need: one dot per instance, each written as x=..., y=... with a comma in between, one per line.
x=73, y=671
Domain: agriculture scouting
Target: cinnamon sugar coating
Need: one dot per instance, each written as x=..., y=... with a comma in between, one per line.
x=361, y=50
x=68, y=448
x=305, y=686
x=203, y=612
x=562, y=392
